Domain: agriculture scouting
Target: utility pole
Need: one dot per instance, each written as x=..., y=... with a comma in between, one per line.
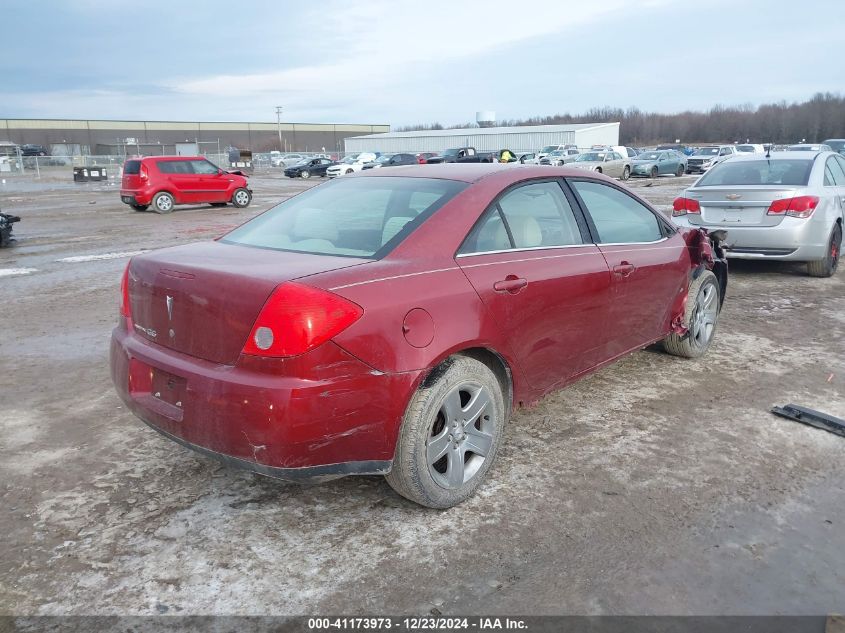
x=279, y=124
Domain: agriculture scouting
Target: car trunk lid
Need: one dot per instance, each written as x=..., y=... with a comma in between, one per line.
x=739, y=205
x=202, y=299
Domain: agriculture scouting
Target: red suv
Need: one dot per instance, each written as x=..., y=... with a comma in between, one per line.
x=165, y=181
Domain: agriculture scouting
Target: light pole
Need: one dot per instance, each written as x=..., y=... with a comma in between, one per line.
x=279, y=124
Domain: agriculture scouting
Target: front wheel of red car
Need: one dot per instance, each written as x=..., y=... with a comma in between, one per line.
x=700, y=317
x=241, y=198
x=450, y=435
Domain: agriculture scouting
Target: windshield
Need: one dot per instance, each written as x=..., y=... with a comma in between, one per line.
x=746, y=149
x=450, y=152
x=707, y=151
x=803, y=148
x=304, y=161
x=648, y=156
x=595, y=157
x=364, y=217
x=836, y=146
x=548, y=148
x=793, y=172
x=558, y=152
x=383, y=158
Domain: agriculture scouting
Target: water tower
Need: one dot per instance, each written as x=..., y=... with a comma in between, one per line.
x=485, y=118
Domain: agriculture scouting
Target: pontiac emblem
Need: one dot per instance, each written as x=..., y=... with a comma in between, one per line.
x=169, y=308
x=733, y=196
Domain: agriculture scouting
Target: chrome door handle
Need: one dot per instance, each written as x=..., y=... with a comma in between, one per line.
x=624, y=269
x=511, y=284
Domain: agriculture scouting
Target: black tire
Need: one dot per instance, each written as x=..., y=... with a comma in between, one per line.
x=689, y=171
x=626, y=173
x=163, y=202
x=654, y=172
x=241, y=198
x=305, y=174
x=697, y=340
x=219, y=204
x=349, y=171
x=598, y=169
x=140, y=207
x=460, y=383
x=680, y=171
x=827, y=267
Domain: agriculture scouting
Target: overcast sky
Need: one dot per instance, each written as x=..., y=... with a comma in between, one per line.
x=402, y=62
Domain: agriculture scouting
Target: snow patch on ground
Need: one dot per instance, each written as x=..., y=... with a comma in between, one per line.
x=93, y=258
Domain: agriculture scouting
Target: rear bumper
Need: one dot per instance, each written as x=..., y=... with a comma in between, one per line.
x=136, y=196
x=322, y=415
x=794, y=239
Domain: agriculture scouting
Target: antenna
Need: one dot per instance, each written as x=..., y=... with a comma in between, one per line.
x=769, y=151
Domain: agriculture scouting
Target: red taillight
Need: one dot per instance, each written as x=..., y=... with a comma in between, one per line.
x=797, y=207
x=144, y=173
x=298, y=318
x=125, y=308
x=682, y=206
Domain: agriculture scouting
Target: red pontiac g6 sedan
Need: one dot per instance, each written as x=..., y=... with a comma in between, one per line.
x=388, y=322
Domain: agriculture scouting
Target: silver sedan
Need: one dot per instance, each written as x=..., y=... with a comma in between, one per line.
x=787, y=206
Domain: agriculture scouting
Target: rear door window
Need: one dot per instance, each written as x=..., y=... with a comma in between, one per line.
x=175, y=167
x=537, y=215
x=618, y=218
x=834, y=172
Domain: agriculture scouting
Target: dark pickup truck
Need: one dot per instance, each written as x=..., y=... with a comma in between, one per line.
x=470, y=155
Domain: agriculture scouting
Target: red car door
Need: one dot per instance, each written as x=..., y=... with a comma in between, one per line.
x=211, y=185
x=648, y=261
x=177, y=177
x=545, y=285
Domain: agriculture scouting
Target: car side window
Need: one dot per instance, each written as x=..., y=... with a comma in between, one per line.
x=531, y=216
x=618, y=218
x=175, y=167
x=840, y=160
x=203, y=167
x=837, y=176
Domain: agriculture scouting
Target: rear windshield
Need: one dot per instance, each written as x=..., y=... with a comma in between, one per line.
x=357, y=217
x=132, y=167
x=794, y=172
x=707, y=151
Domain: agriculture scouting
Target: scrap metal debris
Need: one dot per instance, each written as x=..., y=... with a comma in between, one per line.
x=6, y=222
x=811, y=417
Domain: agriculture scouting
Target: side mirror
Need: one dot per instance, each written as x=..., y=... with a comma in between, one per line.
x=219, y=172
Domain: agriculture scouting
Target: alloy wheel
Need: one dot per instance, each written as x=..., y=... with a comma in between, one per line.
x=242, y=198
x=461, y=435
x=703, y=320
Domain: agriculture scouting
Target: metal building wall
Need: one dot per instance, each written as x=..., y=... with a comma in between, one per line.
x=245, y=135
x=514, y=138
x=604, y=134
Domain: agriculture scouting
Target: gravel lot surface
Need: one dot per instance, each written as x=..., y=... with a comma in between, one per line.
x=655, y=486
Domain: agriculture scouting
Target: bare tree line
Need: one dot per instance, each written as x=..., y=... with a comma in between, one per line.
x=819, y=118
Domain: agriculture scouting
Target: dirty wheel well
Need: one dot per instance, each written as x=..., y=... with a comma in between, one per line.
x=495, y=362
x=720, y=269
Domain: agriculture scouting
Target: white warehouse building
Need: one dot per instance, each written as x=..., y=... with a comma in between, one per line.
x=527, y=138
